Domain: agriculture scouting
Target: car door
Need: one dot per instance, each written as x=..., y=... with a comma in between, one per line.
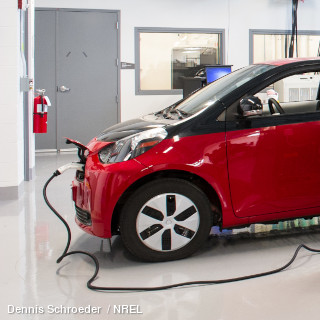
x=274, y=160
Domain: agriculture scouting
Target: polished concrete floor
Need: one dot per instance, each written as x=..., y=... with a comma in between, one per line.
x=33, y=286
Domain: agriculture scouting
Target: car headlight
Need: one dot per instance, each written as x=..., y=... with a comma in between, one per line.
x=132, y=146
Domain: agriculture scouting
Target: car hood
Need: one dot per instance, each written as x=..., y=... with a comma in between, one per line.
x=128, y=128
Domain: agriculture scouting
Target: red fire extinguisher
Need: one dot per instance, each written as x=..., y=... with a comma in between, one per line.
x=41, y=104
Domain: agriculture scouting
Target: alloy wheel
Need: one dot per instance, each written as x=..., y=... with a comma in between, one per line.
x=167, y=222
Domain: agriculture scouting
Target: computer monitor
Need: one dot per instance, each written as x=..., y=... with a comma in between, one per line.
x=215, y=72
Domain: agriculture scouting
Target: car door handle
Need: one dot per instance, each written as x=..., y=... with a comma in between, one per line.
x=64, y=89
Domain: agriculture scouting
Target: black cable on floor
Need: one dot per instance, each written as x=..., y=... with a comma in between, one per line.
x=170, y=286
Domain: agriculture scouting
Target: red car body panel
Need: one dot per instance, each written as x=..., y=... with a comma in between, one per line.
x=101, y=189
x=256, y=161
x=204, y=156
x=105, y=183
x=274, y=170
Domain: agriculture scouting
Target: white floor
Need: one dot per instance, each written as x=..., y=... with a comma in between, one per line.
x=32, y=239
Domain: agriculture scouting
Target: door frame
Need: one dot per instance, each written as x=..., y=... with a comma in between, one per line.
x=117, y=12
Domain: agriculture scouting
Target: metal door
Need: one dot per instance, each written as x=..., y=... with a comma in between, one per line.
x=86, y=74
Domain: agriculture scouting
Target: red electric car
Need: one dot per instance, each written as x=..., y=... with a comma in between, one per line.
x=242, y=150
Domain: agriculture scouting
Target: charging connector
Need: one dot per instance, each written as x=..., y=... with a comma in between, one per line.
x=71, y=165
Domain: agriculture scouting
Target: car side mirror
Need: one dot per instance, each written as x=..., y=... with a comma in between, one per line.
x=250, y=106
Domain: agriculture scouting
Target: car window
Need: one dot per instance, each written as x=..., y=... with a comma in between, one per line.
x=207, y=96
x=294, y=94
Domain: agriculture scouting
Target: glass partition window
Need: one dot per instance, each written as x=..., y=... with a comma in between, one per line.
x=275, y=46
x=164, y=58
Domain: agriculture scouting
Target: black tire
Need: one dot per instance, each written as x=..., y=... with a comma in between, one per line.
x=180, y=241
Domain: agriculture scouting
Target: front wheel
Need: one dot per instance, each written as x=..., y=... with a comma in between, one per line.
x=165, y=220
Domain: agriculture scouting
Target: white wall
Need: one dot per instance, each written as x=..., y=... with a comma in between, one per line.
x=11, y=100
x=235, y=16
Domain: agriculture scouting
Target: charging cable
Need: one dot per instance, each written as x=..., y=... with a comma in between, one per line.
x=66, y=252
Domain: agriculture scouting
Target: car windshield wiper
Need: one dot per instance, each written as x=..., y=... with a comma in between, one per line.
x=171, y=109
x=165, y=112
x=182, y=114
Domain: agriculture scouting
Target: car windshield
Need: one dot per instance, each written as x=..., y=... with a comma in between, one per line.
x=219, y=88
